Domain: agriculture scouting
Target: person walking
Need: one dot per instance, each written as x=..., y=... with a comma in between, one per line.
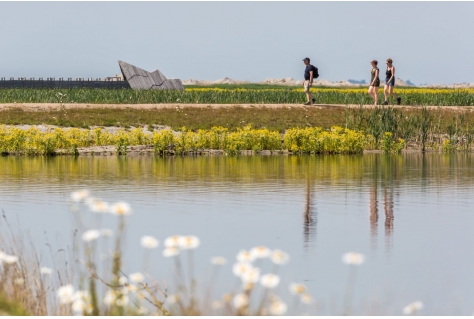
x=310, y=73
x=374, y=82
x=390, y=82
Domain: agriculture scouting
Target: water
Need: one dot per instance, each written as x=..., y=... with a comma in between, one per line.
x=410, y=215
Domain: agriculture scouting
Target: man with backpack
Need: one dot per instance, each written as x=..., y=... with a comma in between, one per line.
x=310, y=73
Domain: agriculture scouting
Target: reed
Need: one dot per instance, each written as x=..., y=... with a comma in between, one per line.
x=235, y=94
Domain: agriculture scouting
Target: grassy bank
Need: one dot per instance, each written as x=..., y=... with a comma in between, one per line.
x=277, y=119
x=236, y=94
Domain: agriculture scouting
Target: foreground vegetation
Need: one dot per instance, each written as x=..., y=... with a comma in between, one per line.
x=384, y=128
x=309, y=140
x=236, y=95
x=89, y=277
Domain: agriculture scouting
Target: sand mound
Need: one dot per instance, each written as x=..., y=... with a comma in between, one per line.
x=281, y=81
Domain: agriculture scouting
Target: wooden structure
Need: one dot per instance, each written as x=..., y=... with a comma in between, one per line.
x=139, y=79
x=131, y=77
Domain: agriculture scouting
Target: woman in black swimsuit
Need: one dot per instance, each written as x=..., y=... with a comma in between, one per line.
x=390, y=82
x=374, y=82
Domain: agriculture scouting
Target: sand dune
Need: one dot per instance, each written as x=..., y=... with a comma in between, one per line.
x=289, y=81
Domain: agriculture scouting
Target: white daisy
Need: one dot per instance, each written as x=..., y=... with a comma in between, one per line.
x=412, y=308
x=297, y=289
x=91, y=235
x=188, y=242
x=136, y=277
x=240, y=301
x=172, y=241
x=46, y=271
x=260, y=252
x=170, y=251
x=245, y=256
x=149, y=242
x=65, y=294
x=240, y=268
x=278, y=308
x=218, y=261
x=353, y=258
x=252, y=276
x=121, y=209
x=270, y=280
x=79, y=196
x=279, y=257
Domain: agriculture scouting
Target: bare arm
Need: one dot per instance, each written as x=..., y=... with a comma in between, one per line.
x=310, y=78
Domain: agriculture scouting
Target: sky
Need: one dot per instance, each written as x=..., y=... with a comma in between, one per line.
x=429, y=42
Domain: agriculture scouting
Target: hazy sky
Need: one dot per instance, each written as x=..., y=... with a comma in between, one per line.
x=430, y=42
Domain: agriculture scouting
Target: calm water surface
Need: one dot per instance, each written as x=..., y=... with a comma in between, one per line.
x=410, y=215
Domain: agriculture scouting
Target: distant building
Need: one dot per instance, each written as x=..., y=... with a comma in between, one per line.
x=130, y=77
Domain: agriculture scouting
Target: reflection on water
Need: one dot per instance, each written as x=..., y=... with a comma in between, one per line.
x=410, y=214
x=309, y=217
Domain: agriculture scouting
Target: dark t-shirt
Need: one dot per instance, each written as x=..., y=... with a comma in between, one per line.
x=306, y=72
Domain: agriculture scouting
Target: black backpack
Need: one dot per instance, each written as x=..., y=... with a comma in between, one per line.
x=315, y=72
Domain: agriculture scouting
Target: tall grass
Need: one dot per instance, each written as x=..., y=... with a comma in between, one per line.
x=234, y=95
x=422, y=130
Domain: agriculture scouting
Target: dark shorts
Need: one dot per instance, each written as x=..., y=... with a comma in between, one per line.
x=391, y=83
x=376, y=83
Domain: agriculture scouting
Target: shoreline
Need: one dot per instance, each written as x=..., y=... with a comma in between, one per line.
x=37, y=107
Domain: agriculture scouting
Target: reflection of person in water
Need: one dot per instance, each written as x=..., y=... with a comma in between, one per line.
x=309, y=221
x=374, y=212
x=388, y=209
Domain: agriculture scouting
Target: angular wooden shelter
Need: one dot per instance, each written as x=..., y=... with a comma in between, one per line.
x=139, y=79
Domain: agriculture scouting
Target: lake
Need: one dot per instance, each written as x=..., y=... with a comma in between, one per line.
x=411, y=215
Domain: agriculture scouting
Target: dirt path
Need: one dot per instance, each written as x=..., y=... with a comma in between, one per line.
x=55, y=106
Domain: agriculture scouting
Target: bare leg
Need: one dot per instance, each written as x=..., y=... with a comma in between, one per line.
x=308, y=96
x=390, y=88
x=373, y=93
x=376, y=94
x=385, y=91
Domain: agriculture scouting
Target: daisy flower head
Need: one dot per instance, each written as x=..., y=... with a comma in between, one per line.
x=245, y=256
x=297, y=289
x=79, y=196
x=136, y=277
x=240, y=301
x=9, y=259
x=149, y=242
x=172, y=241
x=90, y=235
x=270, y=280
x=353, y=258
x=252, y=275
x=279, y=257
x=188, y=242
x=121, y=209
x=306, y=299
x=260, y=252
x=65, y=294
x=170, y=252
x=240, y=268
x=412, y=308
x=219, y=261
x=99, y=207
x=278, y=308
x=46, y=271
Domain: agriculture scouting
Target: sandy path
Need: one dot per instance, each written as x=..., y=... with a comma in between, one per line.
x=56, y=106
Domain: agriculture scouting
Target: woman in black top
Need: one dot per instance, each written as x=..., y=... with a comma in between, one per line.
x=390, y=82
x=374, y=82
